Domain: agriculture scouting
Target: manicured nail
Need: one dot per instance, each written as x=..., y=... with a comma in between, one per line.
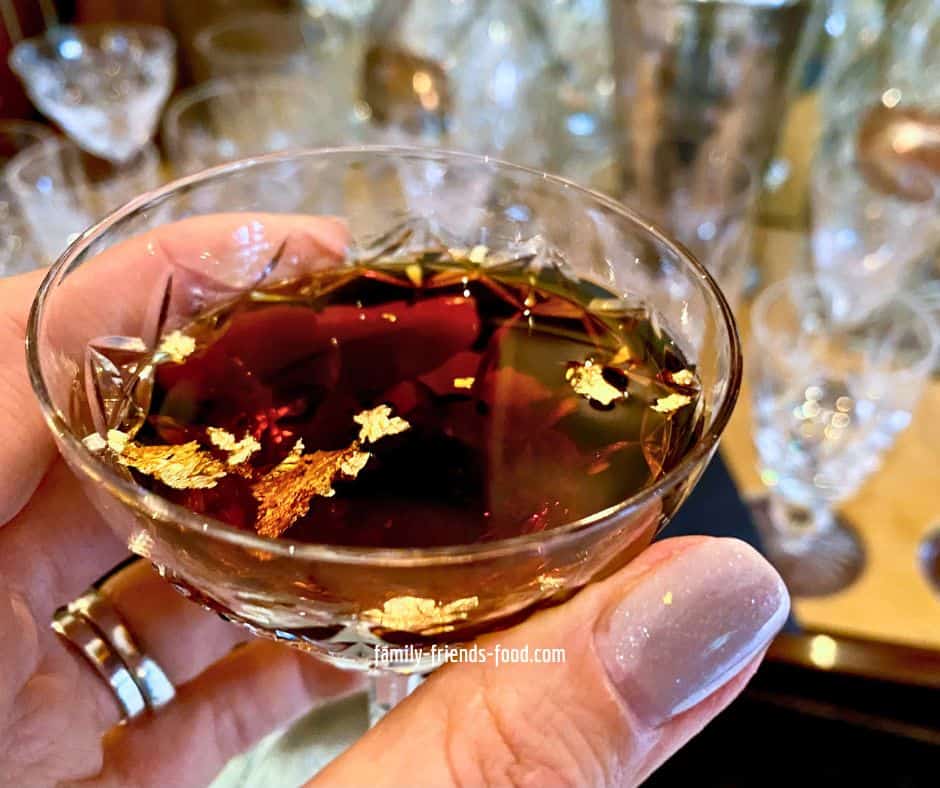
x=689, y=626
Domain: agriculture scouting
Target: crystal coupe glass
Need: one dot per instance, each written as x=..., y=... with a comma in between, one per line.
x=341, y=603
x=103, y=84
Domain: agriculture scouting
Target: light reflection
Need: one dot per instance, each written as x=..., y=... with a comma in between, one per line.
x=823, y=651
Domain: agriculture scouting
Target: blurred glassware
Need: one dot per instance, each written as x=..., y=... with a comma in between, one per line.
x=869, y=233
x=850, y=28
x=321, y=48
x=353, y=12
x=876, y=179
x=60, y=190
x=705, y=198
x=579, y=37
x=929, y=556
x=226, y=119
x=528, y=81
x=481, y=71
x=828, y=401
x=717, y=72
x=17, y=251
x=891, y=54
x=103, y=84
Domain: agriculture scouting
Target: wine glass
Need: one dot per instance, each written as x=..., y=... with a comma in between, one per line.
x=103, y=84
x=17, y=249
x=866, y=237
x=60, y=189
x=343, y=603
x=828, y=402
x=704, y=197
x=231, y=118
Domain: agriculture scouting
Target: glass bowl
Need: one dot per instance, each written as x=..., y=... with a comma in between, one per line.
x=337, y=602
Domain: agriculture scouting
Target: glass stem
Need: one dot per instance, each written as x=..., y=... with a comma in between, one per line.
x=800, y=525
x=387, y=690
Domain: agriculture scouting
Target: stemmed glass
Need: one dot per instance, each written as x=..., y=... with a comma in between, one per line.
x=231, y=118
x=341, y=603
x=60, y=190
x=866, y=237
x=17, y=248
x=103, y=84
x=828, y=402
x=703, y=196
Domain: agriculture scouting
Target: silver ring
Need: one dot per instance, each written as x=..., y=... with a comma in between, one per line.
x=96, y=629
x=77, y=631
x=98, y=610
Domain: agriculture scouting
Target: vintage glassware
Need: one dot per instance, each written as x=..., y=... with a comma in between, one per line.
x=526, y=81
x=880, y=114
x=233, y=118
x=105, y=85
x=332, y=600
x=715, y=72
x=866, y=238
x=61, y=190
x=17, y=250
x=704, y=197
x=828, y=401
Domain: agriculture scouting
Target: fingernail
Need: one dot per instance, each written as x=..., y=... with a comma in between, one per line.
x=689, y=626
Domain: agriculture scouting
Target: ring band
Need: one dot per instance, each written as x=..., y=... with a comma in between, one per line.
x=93, y=625
x=77, y=631
x=153, y=683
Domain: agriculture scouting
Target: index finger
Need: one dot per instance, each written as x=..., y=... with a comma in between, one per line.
x=121, y=291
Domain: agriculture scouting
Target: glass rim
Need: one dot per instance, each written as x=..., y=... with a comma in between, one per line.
x=153, y=505
x=173, y=125
x=204, y=40
x=756, y=4
x=766, y=297
x=58, y=144
x=742, y=200
x=160, y=34
x=28, y=128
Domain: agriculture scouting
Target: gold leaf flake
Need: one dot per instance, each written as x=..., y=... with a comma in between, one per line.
x=588, y=380
x=117, y=440
x=550, y=582
x=415, y=273
x=667, y=598
x=285, y=493
x=478, y=254
x=417, y=614
x=238, y=451
x=621, y=356
x=291, y=461
x=671, y=403
x=463, y=383
x=94, y=442
x=183, y=466
x=177, y=346
x=389, y=317
x=683, y=378
x=379, y=422
x=354, y=463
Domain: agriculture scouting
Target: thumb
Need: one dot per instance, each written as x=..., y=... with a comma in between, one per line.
x=650, y=656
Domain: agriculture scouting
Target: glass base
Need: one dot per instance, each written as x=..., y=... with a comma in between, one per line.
x=811, y=563
x=387, y=689
x=929, y=555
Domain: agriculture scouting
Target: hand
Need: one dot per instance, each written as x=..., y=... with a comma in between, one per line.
x=651, y=654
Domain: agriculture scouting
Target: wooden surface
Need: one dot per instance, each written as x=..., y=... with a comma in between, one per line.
x=893, y=511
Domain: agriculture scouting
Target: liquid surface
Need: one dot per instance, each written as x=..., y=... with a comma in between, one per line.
x=518, y=407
